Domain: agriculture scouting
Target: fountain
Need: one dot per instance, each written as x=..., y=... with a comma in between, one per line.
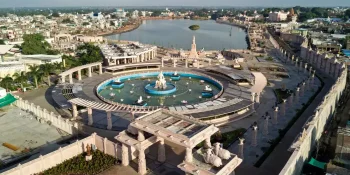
x=140, y=102
x=160, y=87
x=207, y=92
x=175, y=76
x=161, y=82
x=118, y=84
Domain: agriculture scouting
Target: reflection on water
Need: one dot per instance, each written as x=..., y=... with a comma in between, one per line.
x=175, y=33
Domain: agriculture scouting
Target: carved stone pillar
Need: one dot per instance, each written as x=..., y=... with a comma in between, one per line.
x=161, y=151
x=297, y=94
x=240, y=148
x=186, y=63
x=257, y=100
x=162, y=62
x=79, y=75
x=254, y=136
x=90, y=120
x=89, y=72
x=283, y=110
x=142, y=162
x=74, y=111
x=100, y=69
x=275, y=115
x=266, y=125
x=109, y=120
x=140, y=136
x=189, y=156
x=207, y=142
x=70, y=78
x=290, y=100
x=305, y=68
x=253, y=100
x=174, y=61
x=125, y=155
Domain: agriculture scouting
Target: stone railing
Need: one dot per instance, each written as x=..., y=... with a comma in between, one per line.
x=313, y=129
x=44, y=115
x=54, y=158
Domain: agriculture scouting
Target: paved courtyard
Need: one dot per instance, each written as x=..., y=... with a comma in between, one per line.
x=21, y=129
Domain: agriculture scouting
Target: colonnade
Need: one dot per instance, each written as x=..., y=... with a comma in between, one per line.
x=78, y=69
x=197, y=61
x=139, y=58
x=90, y=118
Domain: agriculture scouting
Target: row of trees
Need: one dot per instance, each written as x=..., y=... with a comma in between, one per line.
x=35, y=76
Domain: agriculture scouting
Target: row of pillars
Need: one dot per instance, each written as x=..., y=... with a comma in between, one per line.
x=186, y=62
x=140, y=58
x=90, y=118
x=142, y=169
x=79, y=74
x=299, y=92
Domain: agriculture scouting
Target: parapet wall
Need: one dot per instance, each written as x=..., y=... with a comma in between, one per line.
x=46, y=116
x=313, y=129
x=57, y=157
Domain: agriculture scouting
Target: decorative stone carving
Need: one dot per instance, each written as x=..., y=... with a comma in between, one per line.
x=211, y=158
x=222, y=153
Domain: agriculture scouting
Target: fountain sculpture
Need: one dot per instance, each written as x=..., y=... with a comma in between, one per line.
x=207, y=92
x=140, y=102
x=118, y=84
x=175, y=76
x=161, y=82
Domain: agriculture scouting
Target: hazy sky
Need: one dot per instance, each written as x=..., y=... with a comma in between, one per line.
x=63, y=3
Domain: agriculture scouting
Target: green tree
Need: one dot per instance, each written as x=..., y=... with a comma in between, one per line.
x=35, y=73
x=7, y=82
x=20, y=78
x=36, y=44
x=85, y=23
x=2, y=42
x=88, y=53
x=46, y=70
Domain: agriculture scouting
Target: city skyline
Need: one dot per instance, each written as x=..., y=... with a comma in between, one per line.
x=247, y=3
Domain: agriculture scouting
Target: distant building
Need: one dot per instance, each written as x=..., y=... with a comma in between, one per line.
x=278, y=16
x=120, y=13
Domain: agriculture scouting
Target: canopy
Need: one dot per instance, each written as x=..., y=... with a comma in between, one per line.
x=8, y=99
x=317, y=163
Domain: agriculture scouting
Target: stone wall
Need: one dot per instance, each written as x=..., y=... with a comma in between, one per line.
x=44, y=115
x=314, y=127
x=293, y=38
x=54, y=158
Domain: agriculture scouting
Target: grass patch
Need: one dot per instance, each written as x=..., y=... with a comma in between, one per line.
x=283, y=132
x=78, y=165
x=225, y=138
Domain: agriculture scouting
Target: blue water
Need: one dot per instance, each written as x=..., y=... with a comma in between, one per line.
x=134, y=87
x=175, y=33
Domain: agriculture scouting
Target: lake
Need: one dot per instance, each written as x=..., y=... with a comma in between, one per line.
x=175, y=33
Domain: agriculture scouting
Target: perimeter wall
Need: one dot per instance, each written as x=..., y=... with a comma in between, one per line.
x=306, y=141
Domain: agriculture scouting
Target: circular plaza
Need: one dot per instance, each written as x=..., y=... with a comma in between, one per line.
x=125, y=86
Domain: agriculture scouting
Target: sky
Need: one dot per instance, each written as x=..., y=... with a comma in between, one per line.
x=79, y=3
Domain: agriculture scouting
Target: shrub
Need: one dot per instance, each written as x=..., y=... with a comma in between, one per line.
x=78, y=165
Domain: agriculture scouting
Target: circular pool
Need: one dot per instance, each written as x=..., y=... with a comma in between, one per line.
x=186, y=90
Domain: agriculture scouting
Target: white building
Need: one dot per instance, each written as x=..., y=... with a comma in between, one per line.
x=278, y=16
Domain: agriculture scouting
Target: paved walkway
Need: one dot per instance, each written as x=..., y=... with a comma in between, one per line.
x=279, y=157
